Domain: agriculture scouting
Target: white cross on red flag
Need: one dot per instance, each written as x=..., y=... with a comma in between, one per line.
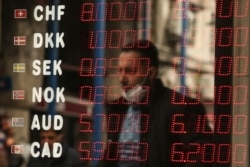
x=20, y=13
x=19, y=40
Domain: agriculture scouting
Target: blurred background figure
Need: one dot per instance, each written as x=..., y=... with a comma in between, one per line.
x=7, y=159
x=69, y=157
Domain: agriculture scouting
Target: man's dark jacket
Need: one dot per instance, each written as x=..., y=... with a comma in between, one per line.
x=69, y=158
x=175, y=123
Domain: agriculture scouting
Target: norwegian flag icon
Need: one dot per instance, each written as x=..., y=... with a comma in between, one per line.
x=18, y=95
x=19, y=40
x=20, y=13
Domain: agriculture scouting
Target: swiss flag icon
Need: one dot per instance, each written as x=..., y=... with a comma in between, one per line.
x=20, y=13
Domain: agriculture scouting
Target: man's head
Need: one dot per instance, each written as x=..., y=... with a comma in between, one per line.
x=51, y=136
x=138, y=63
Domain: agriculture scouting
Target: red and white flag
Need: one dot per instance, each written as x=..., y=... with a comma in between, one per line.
x=18, y=95
x=20, y=13
x=19, y=40
x=16, y=149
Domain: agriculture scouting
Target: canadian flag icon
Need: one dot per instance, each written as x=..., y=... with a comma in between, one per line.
x=16, y=149
x=20, y=13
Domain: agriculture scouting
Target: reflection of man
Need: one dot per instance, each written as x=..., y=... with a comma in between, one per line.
x=69, y=157
x=146, y=127
x=6, y=141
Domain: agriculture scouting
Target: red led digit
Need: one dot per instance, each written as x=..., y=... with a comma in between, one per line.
x=144, y=147
x=129, y=35
x=100, y=150
x=130, y=11
x=176, y=63
x=188, y=36
x=241, y=36
x=179, y=99
x=113, y=67
x=178, y=127
x=196, y=95
x=85, y=123
x=115, y=39
x=130, y=128
x=224, y=66
x=113, y=123
x=223, y=153
x=99, y=15
x=196, y=150
x=240, y=124
x=113, y=94
x=224, y=123
x=102, y=121
x=224, y=95
x=86, y=67
x=144, y=10
x=144, y=44
x=241, y=65
x=132, y=68
x=177, y=155
x=240, y=95
x=90, y=39
x=239, y=12
x=208, y=153
x=112, y=151
x=210, y=92
x=136, y=126
x=145, y=63
x=122, y=148
x=87, y=12
x=194, y=124
x=186, y=62
x=204, y=123
x=224, y=8
x=84, y=150
x=178, y=9
x=115, y=11
x=174, y=99
x=137, y=98
x=144, y=123
x=213, y=34
x=146, y=96
x=100, y=67
x=143, y=34
x=101, y=35
x=86, y=94
x=239, y=153
x=225, y=37
x=94, y=39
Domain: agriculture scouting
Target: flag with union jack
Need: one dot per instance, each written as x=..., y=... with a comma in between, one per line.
x=17, y=122
x=19, y=40
x=19, y=67
x=18, y=94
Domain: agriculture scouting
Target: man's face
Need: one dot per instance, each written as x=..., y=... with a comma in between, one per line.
x=130, y=73
x=50, y=137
